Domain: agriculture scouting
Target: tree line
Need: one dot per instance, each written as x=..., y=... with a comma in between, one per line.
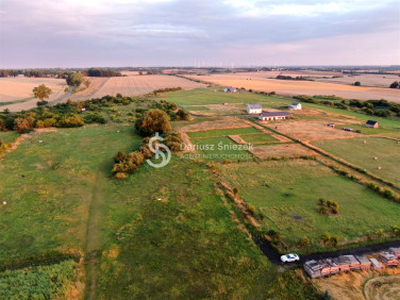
x=380, y=108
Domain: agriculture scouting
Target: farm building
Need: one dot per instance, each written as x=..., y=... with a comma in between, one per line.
x=342, y=263
x=365, y=263
x=273, y=116
x=348, y=129
x=317, y=268
x=395, y=251
x=295, y=106
x=376, y=264
x=254, y=109
x=372, y=124
x=389, y=259
x=349, y=261
x=230, y=90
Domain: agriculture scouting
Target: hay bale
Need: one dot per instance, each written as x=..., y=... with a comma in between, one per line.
x=379, y=168
x=365, y=142
x=4, y=202
x=375, y=158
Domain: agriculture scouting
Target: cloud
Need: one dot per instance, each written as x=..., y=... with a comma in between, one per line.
x=158, y=32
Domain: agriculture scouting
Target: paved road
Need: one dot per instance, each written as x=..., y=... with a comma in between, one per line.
x=62, y=98
x=274, y=256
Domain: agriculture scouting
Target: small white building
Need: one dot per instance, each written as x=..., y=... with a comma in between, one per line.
x=295, y=106
x=254, y=109
x=230, y=90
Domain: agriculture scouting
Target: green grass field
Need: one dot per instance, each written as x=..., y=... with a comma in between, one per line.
x=8, y=136
x=223, y=132
x=368, y=131
x=356, y=152
x=220, y=148
x=217, y=96
x=40, y=282
x=287, y=193
x=48, y=187
x=186, y=245
x=258, y=138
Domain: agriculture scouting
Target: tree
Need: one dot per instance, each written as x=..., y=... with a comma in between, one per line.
x=42, y=92
x=75, y=79
x=154, y=120
x=357, y=83
x=87, y=82
x=395, y=85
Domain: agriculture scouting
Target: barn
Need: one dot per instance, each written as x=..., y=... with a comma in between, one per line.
x=254, y=109
x=372, y=124
x=273, y=116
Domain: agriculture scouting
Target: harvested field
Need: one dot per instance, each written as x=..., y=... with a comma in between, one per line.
x=385, y=288
x=308, y=130
x=288, y=150
x=16, y=92
x=132, y=86
x=260, y=81
x=372, y=80
x=355, y=285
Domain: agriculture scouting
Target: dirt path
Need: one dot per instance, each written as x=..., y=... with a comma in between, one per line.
x=93, y=242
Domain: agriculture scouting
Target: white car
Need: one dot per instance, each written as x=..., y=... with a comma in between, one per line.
x=288, y=258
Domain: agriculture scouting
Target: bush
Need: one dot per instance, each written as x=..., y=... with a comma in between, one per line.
x=305, y=241
x=94, y=118
x=71, y=120
x=154, y=120
x=22, y=125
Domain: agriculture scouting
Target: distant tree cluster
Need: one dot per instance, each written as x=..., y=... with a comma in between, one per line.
x=97, y=72
x=9, y=73
x=381, y=108
x=283, y=77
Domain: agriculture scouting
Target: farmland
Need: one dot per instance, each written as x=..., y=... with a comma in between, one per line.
x=176, y=228
x=362, y=154
x=132, y=86
x=16, y=93
x=287, y=193
x=259, y=81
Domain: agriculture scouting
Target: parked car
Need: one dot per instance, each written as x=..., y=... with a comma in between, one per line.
x=288, y=258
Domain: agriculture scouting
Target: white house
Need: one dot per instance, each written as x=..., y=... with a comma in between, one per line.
x=273, y=116
x=295, y=106
x=230, y=90
x=254, y=109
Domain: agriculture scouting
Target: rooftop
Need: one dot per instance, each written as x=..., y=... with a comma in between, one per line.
x=275, y=114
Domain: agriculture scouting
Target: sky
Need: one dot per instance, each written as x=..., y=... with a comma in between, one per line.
x=202, y=33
